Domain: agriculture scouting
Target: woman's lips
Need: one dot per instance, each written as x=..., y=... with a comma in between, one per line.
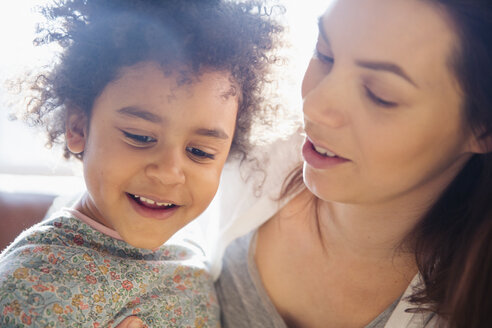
x=319, y=157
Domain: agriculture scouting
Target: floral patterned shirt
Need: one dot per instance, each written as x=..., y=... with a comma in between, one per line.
x=63, y=273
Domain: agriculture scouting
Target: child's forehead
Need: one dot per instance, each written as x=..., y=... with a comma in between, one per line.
x=180, y=77
x=147, y=84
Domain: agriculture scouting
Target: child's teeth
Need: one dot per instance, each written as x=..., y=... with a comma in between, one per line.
x=146, y=200
x=324, y=151
x=151, y=202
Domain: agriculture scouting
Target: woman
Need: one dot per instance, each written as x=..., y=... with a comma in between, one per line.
x=397, y=112
x=394, y=211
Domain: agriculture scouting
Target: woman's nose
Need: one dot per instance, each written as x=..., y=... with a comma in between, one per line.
x=167, y=168
x=319, y=112
x=323, y=101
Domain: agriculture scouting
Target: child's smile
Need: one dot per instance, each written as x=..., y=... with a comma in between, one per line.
x=153, y=150
x=151, y=203
x=152, y=208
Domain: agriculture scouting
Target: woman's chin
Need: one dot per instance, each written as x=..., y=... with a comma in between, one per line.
x=316, y=185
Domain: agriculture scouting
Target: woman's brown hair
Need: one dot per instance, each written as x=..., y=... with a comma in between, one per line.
x=453, y=240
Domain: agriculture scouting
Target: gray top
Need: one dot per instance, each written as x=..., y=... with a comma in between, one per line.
x=243, y=300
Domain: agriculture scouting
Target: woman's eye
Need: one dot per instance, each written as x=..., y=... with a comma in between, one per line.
x=199, y=153
x=323, y=58
x=139, y=139
x=379, y=101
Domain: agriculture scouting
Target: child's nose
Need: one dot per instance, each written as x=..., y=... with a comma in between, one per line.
x=167, y=169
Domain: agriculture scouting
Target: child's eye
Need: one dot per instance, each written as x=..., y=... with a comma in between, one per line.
x=198, y=153
x=379, y=101
x=139, y=140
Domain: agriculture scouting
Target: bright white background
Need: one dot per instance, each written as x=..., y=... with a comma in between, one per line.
x=25, y=164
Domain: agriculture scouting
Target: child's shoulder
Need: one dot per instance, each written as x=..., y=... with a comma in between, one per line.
x=36, y=268
x=49, y=246
x=43, y=283
x=38, y=245
x=61, y=229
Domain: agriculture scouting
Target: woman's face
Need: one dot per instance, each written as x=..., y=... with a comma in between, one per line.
x=380, y=94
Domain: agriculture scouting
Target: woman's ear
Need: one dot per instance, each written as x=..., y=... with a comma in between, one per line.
x=481, y=144
x=76, y=132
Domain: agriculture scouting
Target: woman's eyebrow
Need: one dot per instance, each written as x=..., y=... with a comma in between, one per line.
x=140, y=113
x=373, y=65
x=388, y=67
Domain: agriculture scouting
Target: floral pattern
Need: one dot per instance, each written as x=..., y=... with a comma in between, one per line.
x=63, y=273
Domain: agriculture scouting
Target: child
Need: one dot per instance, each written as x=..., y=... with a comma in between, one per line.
x=150, y=96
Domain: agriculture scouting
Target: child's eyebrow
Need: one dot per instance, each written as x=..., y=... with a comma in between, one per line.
x=151, y=117
x=140, y=113
x=215, y=133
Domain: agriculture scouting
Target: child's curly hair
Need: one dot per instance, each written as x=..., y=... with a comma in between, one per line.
x=98, y=38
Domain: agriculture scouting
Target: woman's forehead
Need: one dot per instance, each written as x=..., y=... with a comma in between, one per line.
x=413, y=34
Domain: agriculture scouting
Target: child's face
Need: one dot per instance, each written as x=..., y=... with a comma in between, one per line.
x=151, y=143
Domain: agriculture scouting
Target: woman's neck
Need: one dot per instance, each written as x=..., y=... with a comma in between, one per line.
x=368, y=231
x=342, y=257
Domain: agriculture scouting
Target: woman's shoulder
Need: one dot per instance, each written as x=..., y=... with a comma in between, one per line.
x=243, y=300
